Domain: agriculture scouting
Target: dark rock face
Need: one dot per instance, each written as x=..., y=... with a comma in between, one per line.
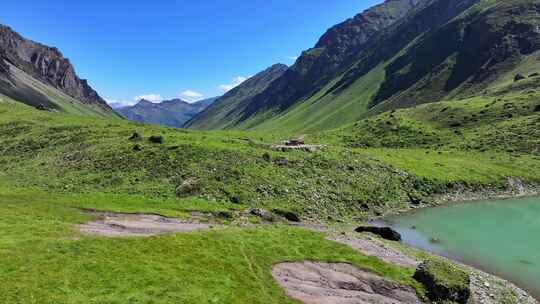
x=444, y=282
x=537, y=108
x=333, y=53
x=386, y=233
x=46, y=64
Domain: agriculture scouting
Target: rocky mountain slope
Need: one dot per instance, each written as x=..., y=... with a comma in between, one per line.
x=172, y=113
x=40, y=76
x=227, y=110
x=400, y=54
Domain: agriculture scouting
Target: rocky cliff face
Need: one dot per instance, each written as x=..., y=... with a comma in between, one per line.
x=332, y=54
x=46, y=64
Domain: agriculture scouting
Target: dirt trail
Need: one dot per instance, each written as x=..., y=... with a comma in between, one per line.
x=122, y=224
x=339, y=283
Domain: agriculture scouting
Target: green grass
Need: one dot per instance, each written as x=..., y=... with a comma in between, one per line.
x=44, y=260
x=68, y=154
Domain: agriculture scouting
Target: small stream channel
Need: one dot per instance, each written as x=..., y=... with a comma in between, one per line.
x=501, y=237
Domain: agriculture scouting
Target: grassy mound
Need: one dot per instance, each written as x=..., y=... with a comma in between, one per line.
x=444, y=282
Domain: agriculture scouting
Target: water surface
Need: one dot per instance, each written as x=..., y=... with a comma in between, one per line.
x=501, y=237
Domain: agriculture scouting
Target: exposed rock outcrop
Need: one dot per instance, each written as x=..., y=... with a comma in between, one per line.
x=338, y=283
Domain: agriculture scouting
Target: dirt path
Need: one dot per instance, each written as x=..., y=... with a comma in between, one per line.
x=339, y=283
x=121, y=225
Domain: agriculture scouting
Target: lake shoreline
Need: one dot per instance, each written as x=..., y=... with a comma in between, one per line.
x=466, y=198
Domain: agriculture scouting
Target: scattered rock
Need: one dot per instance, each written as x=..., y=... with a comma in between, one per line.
x=339, y=283
x=415, y=200
x=519, y=77
x=135, y=136
x=189, y=187
x=156, y=139
x=41, y=107
x=435, y=240
x=224, y=215
x=386, y=233
x=235, y=199
x=290, y=216
x=137, y=148
x=444, y=282
x=263, y=214
x=536, y=108
x=282, y=161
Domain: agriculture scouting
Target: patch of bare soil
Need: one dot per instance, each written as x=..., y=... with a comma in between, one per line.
x=339, y=283
x=371, y=247
x=123, y=224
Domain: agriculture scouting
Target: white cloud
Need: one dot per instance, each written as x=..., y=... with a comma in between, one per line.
x=115, y=104
x=293, y=58
x=235, y=82
x=191, y=96
x=155, y=98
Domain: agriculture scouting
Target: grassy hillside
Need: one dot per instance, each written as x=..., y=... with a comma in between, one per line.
x=24, y=88
x=227, y=110
x=368, y=168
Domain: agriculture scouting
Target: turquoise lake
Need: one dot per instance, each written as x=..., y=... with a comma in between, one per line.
x=501, y=237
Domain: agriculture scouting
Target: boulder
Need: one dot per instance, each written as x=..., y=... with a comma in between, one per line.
x=189, y=187
x=386, y=233
x=519, y=77
x=444, y=282
x=263, y=214
x=156, y=139
x=135, y=136
x=290, y=216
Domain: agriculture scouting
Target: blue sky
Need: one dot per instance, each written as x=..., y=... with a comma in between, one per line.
x=190, y=49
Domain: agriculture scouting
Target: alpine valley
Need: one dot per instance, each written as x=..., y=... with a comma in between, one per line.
x=291, y=187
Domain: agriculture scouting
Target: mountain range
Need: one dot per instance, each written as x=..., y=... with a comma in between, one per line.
x=398, y=54
x=172, y=113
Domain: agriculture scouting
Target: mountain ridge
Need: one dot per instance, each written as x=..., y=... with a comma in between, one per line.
x=173, y=113
x=28, y=58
